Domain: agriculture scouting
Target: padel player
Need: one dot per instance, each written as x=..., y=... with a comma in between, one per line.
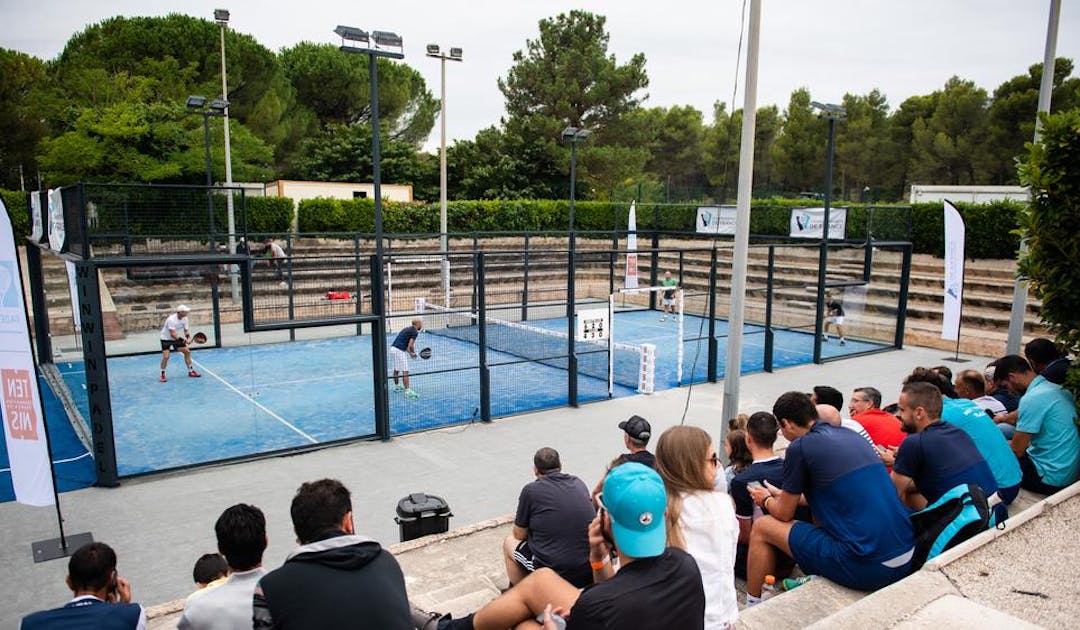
x=404, y=346
x=834, y=314
x=176, y=336
x=668, y=298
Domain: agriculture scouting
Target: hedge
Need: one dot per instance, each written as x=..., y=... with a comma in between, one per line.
x=265, y=215
x=990, y=227
x=15, y=202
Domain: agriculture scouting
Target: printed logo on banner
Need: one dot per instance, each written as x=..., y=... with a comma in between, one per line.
x=10, y=313
x=19, y=404
x=802, y=220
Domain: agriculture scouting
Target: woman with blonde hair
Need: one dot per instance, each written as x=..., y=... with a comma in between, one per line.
x=701, y=520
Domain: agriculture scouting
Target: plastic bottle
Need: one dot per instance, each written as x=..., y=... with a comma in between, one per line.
x=788, y=584
x=768, y=589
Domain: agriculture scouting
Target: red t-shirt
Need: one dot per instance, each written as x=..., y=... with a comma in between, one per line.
x=883, y=427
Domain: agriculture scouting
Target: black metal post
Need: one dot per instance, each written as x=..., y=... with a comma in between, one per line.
x=571, y=354
x=713, y=349
x=358, y=289
x=868, y=254
x=289, y=286
x=654, y=259
x=209, y=179
x=901, y=303
x=767, y=359
x=42, y=338
x=378, y=350
x=97, y=374
x=215, y=305
x=823, y=254
x=525, y=284
x=481, y=329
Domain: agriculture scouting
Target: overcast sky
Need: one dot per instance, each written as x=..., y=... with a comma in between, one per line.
x=900, y=47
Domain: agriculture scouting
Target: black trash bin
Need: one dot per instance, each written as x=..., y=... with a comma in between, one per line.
x=421, y=514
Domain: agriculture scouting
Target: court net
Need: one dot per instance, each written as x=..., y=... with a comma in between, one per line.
x=630, y=364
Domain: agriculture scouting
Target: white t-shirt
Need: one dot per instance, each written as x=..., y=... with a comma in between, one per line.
x=857, y=427
x=276, y=251
x=177, y=323
x=711, y=532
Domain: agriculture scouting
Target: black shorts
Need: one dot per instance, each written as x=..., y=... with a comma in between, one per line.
x=173, y=344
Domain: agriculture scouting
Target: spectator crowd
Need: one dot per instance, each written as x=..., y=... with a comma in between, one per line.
x=660, y=540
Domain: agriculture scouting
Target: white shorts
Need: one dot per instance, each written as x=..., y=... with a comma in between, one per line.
x=835, y=319
x=401, y=359
x=668, y=301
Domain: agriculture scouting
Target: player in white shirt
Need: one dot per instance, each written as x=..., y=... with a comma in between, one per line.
x=175, y=335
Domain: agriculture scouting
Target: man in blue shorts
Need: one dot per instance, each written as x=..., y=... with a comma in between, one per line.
x=863, y=538
x=937, y=456
x=404, y=346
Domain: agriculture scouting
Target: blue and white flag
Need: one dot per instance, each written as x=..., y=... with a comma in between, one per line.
x=954, y=273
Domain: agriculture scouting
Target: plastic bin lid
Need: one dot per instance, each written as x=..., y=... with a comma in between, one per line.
x=419, y=503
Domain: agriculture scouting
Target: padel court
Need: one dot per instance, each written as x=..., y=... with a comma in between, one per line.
x=270, y=397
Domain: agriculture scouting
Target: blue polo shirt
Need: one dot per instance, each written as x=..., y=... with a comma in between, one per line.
x=988, y=439
x=941, y=457
x=1048, y=413
x=852, y=497
x=401, y=342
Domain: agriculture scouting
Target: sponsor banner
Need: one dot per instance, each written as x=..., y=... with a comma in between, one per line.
x=954, y=273
x=631, y=281
x=56, y=220
x=24, y=424
x=808, y=222
x=37, y=226
x=716, y=219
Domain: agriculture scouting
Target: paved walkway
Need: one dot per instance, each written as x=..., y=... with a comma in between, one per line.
x=160, y=525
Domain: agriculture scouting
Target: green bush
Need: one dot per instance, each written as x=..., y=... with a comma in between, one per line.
x=1050, y=225
x=15, y=202
x=990, y=228
x=269, y=214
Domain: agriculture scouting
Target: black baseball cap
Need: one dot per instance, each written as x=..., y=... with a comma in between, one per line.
x=637, y=428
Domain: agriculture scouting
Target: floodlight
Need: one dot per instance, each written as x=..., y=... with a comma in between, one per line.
x=352, y=34
x=432, y=49
x=829, y=110
x=221, y=16
x=219, y=105
x=574, y=134
x=455, y=53
x=196, y=102
x=386, y=38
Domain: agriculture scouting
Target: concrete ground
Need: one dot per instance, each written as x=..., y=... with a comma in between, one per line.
x=159, y=525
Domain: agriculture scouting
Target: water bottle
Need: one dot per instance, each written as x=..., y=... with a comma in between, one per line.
x=788, y=584
x=768, y=589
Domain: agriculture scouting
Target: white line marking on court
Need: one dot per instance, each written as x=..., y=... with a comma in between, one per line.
x=254, y=402
x=315, y=378
x=57, y=461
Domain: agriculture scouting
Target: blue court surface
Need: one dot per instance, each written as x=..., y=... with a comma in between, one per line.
x=263, y=398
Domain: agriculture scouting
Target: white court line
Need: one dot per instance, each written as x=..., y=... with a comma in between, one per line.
x=255, y=402
x=314, y=378
x=57, y=461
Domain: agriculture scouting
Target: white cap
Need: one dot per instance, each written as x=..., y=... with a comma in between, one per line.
x=183, y=309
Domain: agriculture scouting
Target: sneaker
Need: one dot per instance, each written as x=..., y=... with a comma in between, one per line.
x=162, y=377
x=411, y=393
x=842, y=342
x=664, y=318
x=824, y=337
x=423, y=620
x=193, y=374
x=397, y=388
x=283, y=284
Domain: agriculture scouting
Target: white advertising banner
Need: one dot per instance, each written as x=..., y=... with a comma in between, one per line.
x=37, y=226
x=954, y=272
x=24, y=424
x=631, y=248
x=73, y=289
x=808, y=222
x=56, y=220
x=716, y=219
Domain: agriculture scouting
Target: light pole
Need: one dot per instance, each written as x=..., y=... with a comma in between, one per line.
x=455, y=55
x=221, y=16
x=376, y=43
x=572, y=135
x=831, y=113
x=202, y=106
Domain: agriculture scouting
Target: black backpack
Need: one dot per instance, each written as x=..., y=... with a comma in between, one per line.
x=958, y=515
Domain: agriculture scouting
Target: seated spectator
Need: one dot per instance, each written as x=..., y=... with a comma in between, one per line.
x=1046, y=440
x=944, y=371
x=883, y=427
x=1000, y=391
x=863, y=538
x=102, y=599
x=829, y=414
x=210, y=570
x=738, y=422
x=636, y=433
x=991, y=444
x=241, y=538
x=335, y=578
x=700, y=520
x=1046, y=360
x=737, y=453
x=655, y=587
x=551, y=526
x=825, y=395
x=971, y=384
x=767, y=467
x=937, y=456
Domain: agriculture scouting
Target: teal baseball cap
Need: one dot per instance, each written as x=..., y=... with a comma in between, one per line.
x=634, y=497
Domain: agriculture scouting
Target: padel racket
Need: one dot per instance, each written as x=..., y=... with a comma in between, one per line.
x=198, y=338
x=425, y=353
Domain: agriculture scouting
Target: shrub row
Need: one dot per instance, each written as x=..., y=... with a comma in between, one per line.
x=15, y=202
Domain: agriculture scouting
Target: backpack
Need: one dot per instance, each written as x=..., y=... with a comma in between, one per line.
x=958, y=515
